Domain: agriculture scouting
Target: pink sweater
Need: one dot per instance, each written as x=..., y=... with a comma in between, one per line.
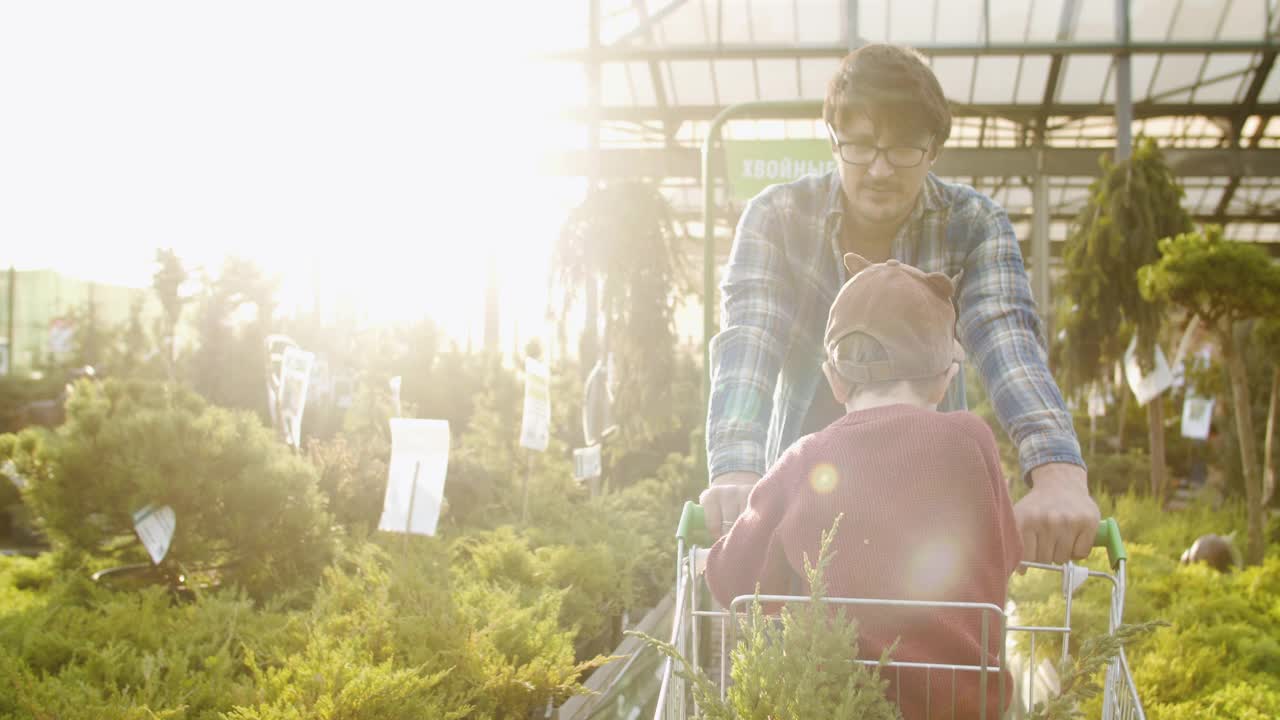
x=926, y=517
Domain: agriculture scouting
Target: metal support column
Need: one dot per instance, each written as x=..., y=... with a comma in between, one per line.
x=13, y=301
x=1040, y=243
x=590, y=348
x=1124, y=85
x=851, y=9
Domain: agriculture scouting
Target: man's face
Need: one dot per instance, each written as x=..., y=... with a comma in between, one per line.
x=879, y=192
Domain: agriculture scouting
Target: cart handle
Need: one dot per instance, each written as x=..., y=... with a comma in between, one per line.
x=693, y=525
x=1109, y=537
x=692, y=530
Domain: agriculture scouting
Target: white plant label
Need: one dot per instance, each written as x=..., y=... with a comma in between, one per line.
x=1076, y=578
x=1197, y=416
x=155, y=528
x=535, y=426
x=1149, y=386
x=586, y=463
x=1097, y=403
x=395, y=396
x=295, y=376
x=415, y=476
x=15, y=477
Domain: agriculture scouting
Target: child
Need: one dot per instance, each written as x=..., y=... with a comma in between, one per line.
x=926, y=510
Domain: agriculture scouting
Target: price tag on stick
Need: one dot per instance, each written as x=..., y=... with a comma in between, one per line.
x=155, y=527
x=586, y=463
x=295, y=376
x=415, y=476
x=1197, y=416
x=535, y=427
x=1149, y=386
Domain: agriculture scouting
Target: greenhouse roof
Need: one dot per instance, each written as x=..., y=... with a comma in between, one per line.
x=1021, y=74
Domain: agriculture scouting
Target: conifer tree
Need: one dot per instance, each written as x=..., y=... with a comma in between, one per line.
x=1131, y=207
x=1224, y=283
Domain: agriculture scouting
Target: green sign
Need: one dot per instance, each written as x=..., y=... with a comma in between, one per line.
x=757, y=164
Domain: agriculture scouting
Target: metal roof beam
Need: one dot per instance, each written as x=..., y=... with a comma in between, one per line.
x=655, y=71
x=648, y=22
x=1247, y=108
x=749, y=51
x=684, y=162
x=1026, y=113
x=1066, y=21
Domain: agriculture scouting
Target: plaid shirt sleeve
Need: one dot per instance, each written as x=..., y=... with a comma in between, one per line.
x=1000, y=329
x=746, y=356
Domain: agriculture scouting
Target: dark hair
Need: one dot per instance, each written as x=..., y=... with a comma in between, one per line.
x=893, y=87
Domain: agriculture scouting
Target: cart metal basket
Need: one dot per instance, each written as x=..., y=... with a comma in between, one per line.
x=697, y=622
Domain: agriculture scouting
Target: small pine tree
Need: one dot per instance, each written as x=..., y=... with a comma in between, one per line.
x=800, y=665
x=1131, y=207
x=1224, y=283
x=1267, y=335
x=623, y=238
x=242, y=500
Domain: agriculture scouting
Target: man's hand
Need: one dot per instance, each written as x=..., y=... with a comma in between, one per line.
x=725, y=500
x=1057, y=519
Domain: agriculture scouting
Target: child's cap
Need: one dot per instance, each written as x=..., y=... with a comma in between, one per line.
x=907, y=311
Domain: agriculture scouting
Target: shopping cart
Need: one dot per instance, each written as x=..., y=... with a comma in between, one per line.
x=695, y=618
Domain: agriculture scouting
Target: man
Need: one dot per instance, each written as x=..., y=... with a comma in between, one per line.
x=887, y=119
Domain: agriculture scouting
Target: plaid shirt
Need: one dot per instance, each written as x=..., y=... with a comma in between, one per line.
x=784, y=271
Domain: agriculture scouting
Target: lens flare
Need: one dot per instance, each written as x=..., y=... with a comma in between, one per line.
x=933, y=569
x=824, y=478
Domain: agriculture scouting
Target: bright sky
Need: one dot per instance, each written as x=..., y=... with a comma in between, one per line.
x=379, y=150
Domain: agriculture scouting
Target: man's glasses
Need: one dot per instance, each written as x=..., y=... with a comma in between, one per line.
x=899, y=156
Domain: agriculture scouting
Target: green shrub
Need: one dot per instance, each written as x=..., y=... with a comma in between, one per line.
x=1117, y=473
x=334, y=679
x=797, y=666
x=352, y=473
x=1237, y=701
x=1220, y=654
x=238, y=494
x=387, y=635
x=78, y=651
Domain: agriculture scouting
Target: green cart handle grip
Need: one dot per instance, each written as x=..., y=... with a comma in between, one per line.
x=693, y=531
x=1109, y=537
x=693, y=525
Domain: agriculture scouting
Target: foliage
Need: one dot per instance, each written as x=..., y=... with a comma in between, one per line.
x=386, y=636
x=16, y=392
x=238, y=495
x=494, y=619
x=73, y=650
x=1081, y=675
x=1223, y=283
x=1266, y=337
x=1219, y=650
x=168, y=282
x=1116, y=472
x=135, y=353
x=234, y=317
x=352, y=465
x=800, y=665
x=624, y=234
x=1131, y=207
x=353, y=475
x=93, y=340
